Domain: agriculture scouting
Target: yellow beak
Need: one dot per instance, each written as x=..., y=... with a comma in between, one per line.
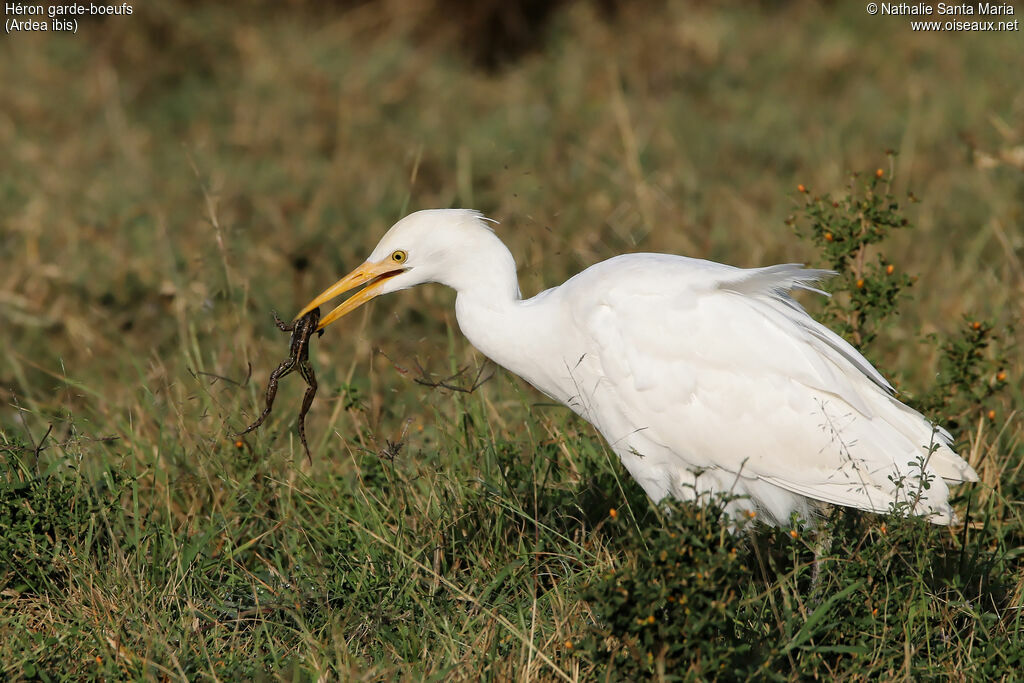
x=369, y=274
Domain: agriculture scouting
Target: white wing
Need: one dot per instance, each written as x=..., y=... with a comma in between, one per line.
x=704, y=377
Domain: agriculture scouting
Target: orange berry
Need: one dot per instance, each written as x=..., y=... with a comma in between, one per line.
x=829, y=237
x=613, y=513
x=568, y=645
x=239, y=443
x=1001, y=377
x=889, y=269
x=879, y=173
x=991, y=414
x=860, y=283
x=884, y=529
x=801, y=188
x=975, y=325
x=874, y=612
x=793, y=533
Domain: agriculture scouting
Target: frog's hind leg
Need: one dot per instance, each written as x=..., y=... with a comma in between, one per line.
x=306, y=370
x=283, y=369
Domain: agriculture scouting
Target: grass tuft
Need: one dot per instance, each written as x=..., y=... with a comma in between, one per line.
x=183, y=171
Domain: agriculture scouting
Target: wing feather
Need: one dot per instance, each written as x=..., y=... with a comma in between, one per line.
x=695, y=366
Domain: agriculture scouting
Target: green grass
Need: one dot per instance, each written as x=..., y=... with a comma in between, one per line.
x=180, y=172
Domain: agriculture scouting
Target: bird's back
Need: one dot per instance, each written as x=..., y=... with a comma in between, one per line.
x=707, y=378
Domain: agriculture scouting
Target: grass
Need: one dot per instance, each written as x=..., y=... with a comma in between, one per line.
x=182, y=171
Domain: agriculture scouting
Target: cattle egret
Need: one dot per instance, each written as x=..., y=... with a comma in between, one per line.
x=702, y=377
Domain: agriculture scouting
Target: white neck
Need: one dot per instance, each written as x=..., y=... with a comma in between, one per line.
x=492, y=314
x=481, y=267
x=511, y=332
x=488, y=295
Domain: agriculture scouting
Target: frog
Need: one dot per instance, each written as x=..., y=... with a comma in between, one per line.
x=302, y=331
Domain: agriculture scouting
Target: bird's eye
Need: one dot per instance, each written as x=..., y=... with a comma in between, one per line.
x=399, y=256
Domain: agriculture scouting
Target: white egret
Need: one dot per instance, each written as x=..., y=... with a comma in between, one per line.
x=702, y=377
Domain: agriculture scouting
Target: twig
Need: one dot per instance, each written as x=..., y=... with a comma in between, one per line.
x=478, y=381
x=215, y=376
x=424, y=378
x=43, y=440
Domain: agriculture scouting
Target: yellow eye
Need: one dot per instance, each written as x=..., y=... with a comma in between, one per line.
x=399, y=256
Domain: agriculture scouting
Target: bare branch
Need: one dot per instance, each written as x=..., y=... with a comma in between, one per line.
x=446, y=383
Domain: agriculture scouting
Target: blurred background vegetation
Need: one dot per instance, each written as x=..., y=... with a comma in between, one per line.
x=173, y=175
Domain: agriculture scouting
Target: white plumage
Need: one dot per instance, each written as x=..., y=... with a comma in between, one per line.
x=702, y=377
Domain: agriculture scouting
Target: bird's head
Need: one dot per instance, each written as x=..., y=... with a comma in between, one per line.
x=427, y=246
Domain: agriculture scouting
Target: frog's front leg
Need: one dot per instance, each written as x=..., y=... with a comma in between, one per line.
x=282, y=325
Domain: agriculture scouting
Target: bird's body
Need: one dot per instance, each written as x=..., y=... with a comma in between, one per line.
x=702, y=377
